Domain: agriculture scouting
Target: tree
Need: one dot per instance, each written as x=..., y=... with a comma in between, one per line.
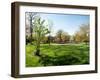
x=65, y=37
x=58, y=35
x=49, y=25
x=40, y=30
x=77, y=37
x=62, y=37
x=30, y=17
x=84, y=29
x=83, y=34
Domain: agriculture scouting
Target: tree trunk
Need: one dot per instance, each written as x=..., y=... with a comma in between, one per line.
x=31, y=29
x=37, y=53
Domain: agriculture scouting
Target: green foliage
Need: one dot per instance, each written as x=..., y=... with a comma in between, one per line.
x=40, y=31
x=55, y=55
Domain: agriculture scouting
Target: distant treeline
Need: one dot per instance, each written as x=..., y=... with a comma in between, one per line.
x=62, y=37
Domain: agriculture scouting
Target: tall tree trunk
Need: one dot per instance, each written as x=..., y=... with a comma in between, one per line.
x=38, y=46
x=38, y=50
x=31, y=29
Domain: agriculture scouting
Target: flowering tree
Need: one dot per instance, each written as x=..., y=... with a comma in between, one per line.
x=39, y=31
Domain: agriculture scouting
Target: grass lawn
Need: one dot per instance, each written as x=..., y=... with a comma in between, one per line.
x=56, y=55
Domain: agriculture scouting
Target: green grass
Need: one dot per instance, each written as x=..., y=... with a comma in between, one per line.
x=54, y=55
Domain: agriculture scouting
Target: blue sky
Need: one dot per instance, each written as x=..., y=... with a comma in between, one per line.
x=68, y=22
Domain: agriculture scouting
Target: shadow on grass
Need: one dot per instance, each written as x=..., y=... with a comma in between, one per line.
x=62, y=60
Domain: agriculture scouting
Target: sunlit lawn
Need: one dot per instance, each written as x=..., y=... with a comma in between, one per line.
x=56, y=55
